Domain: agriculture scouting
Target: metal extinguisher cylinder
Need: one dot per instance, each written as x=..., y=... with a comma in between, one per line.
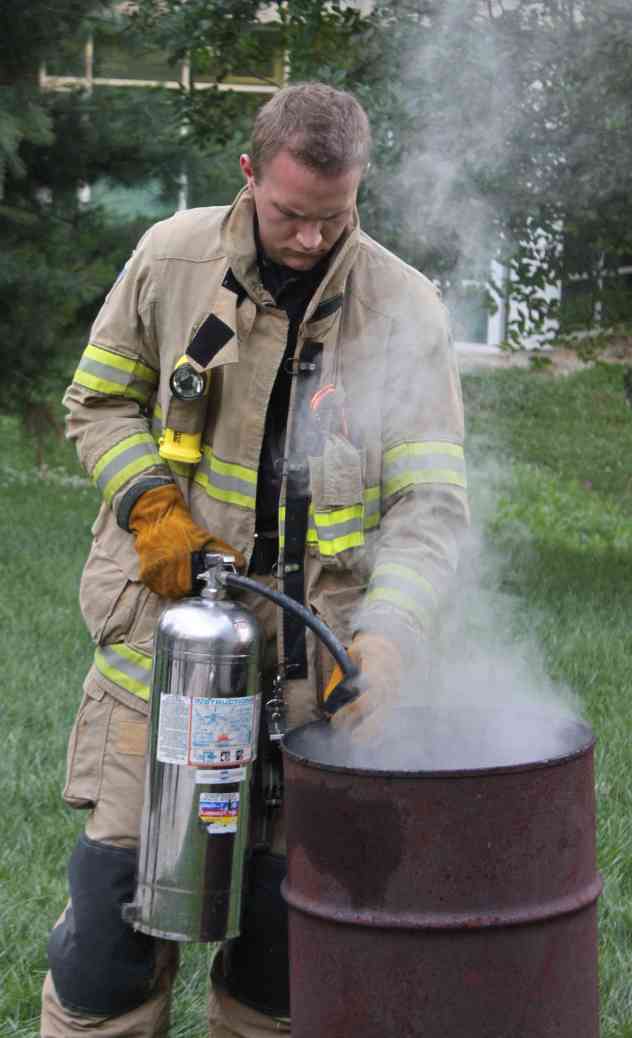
x=203, y=733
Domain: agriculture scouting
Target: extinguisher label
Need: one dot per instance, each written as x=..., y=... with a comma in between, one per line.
x=219, y=812
x=207, y=732
x=220, y=776
x=173, y=730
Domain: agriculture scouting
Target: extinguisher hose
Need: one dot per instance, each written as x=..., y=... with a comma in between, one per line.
x=349, y=689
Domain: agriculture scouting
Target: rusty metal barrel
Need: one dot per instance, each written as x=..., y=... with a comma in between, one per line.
x=442, y=883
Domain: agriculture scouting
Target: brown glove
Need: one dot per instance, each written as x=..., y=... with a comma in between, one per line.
x=379, y=661
x=165, y=535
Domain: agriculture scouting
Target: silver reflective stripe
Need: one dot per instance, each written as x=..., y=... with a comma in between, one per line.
x=423, y=462
x=112, y=374
x=156, y=422
x=337, y=530
x=227, y=481
x=125, y=460
x=125, y=667
x=394, y=583
x=372, y=507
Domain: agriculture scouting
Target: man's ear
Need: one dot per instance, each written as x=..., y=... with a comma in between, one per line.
x=247, y=170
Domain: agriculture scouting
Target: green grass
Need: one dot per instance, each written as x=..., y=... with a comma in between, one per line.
x=550, y=463
x=558, y=519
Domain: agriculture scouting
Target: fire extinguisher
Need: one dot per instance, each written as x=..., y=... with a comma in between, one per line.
x=203, y=736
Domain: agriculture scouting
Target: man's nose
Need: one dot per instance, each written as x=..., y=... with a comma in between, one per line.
x=309, y=235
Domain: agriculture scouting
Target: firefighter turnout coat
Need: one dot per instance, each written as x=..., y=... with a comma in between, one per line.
x=373, y=499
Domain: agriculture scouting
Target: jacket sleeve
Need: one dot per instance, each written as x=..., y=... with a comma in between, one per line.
x=111, y=397
x=423, y=485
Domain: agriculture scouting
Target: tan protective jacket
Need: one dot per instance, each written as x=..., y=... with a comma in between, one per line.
x=388, y=499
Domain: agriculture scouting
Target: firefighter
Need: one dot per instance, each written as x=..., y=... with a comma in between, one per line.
x=267, y=380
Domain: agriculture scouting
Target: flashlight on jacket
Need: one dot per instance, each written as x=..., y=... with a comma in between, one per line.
x=182, y=436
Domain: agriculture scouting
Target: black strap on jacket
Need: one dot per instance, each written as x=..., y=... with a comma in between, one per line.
x=307, y=371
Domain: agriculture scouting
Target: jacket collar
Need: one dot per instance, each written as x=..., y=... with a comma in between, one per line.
x=238, y=239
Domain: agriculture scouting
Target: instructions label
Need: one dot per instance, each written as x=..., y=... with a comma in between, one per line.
x=173, y=730
x=207, y=732
x=219, y=812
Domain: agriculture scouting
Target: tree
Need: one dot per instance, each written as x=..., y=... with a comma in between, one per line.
x=59, y=256
x=501, y=129
x=501, y=126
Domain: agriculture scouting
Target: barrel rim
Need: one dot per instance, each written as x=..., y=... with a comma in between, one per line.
x=501, y=769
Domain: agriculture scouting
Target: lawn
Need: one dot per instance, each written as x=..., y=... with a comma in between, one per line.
x=546, y=594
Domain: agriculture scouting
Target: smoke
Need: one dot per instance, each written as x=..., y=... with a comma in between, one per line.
x=495, y=135
x=460, y=95
x=480, y=695
x=476, y=104
x=485, y=648
x=479, y=117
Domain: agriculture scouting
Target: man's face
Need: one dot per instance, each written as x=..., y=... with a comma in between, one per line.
x=301, y=213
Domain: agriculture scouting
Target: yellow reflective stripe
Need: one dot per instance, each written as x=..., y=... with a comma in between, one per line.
x=423, y=477
x=338, y=544
x=112, y=374
x=352, y=537
x=399, y=599
x=423, y=447
x=399, y=572
x=116, y=360
x=231, y=497
x=126, y=459
x=338, y=515
x=422, y=463
x=397, y=584
x=120, y=448
x=227, y=481
x=125, y=667
x=372, y=507
x=102, y=385
x=227, y=468
x=350, y=515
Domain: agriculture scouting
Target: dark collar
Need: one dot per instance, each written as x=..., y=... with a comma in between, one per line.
x=283, y=283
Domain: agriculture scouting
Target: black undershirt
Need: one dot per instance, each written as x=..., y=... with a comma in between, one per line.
x=291, y=291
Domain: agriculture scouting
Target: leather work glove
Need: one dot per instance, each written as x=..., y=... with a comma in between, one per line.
x=165, y=537
x=379, y=661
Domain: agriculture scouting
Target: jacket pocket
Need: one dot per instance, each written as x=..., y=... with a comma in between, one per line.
x=147, y=610
x=115, y=605
x=86, y=747
x=107, y=597
x=337, y=510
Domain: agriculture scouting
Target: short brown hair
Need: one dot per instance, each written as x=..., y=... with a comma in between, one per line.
x=323, y=128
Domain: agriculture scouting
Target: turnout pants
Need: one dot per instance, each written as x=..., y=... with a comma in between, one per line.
x=97, y=961
x=106, y=979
